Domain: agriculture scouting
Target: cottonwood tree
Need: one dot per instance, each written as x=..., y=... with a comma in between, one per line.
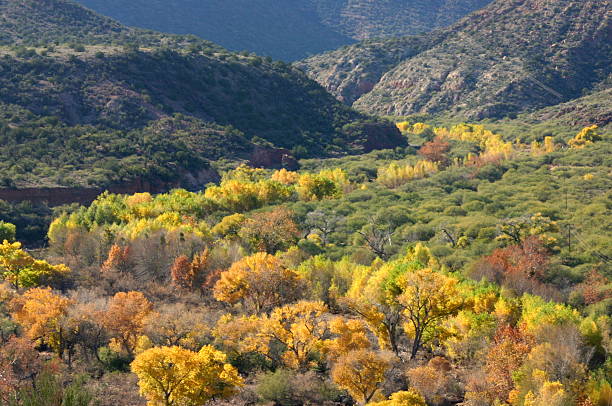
x=260, y=282
x=172, y=376
x=361, y=373
x=125, y=319
x=23, y=271
x=300, y=329
x=402, y=398
x=428, y=298
x=40, y=312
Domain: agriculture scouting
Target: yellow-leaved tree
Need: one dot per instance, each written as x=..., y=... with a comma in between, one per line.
x=40, y=312
x=172, y=376
x=361, y=373
x=428, y=298
x=586, y=136
x=402, y=398
x=298, y=329
x=260, y=282
x=351, y=335
x=23, y=271
x=376, y=299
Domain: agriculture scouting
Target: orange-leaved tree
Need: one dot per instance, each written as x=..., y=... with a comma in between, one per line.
x=125, y=319
x=40, y=312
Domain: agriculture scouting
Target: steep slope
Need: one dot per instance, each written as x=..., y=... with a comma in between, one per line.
x=594, y=109
x=510, y=57
x=288, y=29
x=352, y=71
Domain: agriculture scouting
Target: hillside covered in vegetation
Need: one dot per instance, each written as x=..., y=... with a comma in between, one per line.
x=472, y=269
x=187, y=226
x=507, y=58
x=78, y=114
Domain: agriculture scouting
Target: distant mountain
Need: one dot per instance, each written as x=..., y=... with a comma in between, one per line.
x=109, y=113
x=41, y=22
x=365, y=19
x=287, y=29
x=34, y=21
x=512, y=56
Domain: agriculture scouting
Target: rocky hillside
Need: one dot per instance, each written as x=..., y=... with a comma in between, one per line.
x=510, y=57
x=288, y=29
x=593, y=109
x=364, y=19
x=352, y=71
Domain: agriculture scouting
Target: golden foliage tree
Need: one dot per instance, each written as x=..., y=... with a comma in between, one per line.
x=316, y=187
x=300, y=328
x=428, y=299
x=395, y=175
x=361, y=373
x=172, y=376
x=125, y=319
x=40, y=312
x=586, y=136
x=23, y=271
x=260, y=282
x=351, y=335
x=402, y=398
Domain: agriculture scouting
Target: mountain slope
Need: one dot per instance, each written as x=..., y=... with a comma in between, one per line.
x=510, y=57
x=364, y=19
x=104, y=114
x=288, y=29
x=352, y=71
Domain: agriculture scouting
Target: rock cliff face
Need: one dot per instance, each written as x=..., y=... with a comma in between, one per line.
x=510, y=57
